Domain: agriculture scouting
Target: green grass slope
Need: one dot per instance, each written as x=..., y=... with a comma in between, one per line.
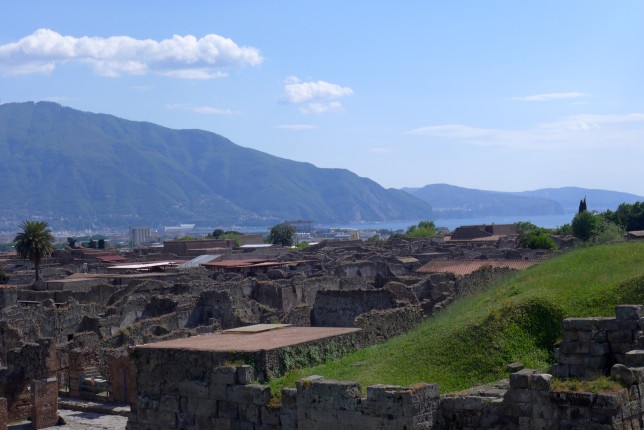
x=517, y=319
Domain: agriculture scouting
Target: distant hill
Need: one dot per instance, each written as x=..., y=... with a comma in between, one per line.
x=81, y=169
x=598, y=200
x=449, y=201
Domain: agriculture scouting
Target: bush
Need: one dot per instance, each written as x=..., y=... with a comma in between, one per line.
x=563, y=230
x=585, y=225
x=534, y=237
x=609, y=232
x=423, y=229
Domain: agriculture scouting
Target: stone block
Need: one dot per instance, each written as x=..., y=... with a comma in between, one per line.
x=206, y=408
x=224, y=375
x=628, y=325
x=540, y=381
x=185, y=421
x=578, y=371
x=521, y=379
x=227, y=410
x=289, y=397
x=169, y=403
x=197, y=389
x=622, y=373
x=581, y=324
x=572, y=359
x=246, y=374
x=516, y=395
x=249, y=413
x=599, y=348
x=630, y=312
x=223, y=424
x=253, y=394
x=517, y=366
x=270, y=416
x=634, y=358
x=218, y=391
x=597, y=362
x=162, y=420
x=205, y=423
x=4, y=414
x=619, y=336
x=561, y=371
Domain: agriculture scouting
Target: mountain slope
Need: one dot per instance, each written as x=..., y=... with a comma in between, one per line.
x=82, y=169
x=449, y=201
x=598, y=200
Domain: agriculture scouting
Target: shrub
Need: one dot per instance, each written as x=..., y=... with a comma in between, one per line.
x=584, y=225
x=423, y=229
x=534, y=237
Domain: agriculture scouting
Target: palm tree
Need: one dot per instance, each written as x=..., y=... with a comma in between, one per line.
x=34, y=242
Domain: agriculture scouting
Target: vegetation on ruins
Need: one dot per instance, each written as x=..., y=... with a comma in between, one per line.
x=518, y=319
x=534, y=237
x=627, y=216
x=282, y=234
x=423, y=229
x=34, y=242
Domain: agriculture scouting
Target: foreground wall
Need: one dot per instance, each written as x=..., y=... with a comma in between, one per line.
x=227, y=398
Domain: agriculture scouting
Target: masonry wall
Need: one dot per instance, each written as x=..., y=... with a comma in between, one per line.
x=226, y=397
x=44, y=403
x=4, y=417
x=591, y=346
x=340, y=308
x=122, y=379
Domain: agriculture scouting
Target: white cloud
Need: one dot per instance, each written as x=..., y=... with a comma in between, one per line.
x=319, y=96
x=180, y=56
x=322, y=107
x=296, y=126
x=206, y=110
x=588, y=131
x=302, y=92
x=551, y=96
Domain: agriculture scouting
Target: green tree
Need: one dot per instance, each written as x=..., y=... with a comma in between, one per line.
x=423, y=229
x=217, y=233
x=282, y=234
x=101, y=244
x=582, y=205
x=584, y=225
x=71, y=242
x=34, y=242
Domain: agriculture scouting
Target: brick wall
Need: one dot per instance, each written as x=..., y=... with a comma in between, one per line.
x=122, y=379
x=4, y=416
x=44, y=410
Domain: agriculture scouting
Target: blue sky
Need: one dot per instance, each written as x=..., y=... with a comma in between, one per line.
x=499, y=95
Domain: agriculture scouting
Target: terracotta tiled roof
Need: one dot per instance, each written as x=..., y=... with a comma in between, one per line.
x=465, y=267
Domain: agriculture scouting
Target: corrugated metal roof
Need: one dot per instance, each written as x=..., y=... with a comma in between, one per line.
x=198, y=261
x=466, y=267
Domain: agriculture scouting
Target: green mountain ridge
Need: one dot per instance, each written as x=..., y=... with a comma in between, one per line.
x=82, y=169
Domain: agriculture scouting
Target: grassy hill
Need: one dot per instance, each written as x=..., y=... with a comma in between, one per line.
x=83, y=169
x=517, y=319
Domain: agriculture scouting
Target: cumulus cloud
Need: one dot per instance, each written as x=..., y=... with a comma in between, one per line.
x=317, y=96
x=297, y=127
x=184, y=57
x=587, y=131
x=551, y=96
x=206, y=110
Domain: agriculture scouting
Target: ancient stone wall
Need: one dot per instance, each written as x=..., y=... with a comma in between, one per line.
x=340, y=308
x=4, y=417
x=527, y=402
x=227, y=397
x=378, y=326
x=591, y=346
x=8, y=295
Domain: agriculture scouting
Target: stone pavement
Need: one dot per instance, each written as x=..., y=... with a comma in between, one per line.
x=77, y=420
